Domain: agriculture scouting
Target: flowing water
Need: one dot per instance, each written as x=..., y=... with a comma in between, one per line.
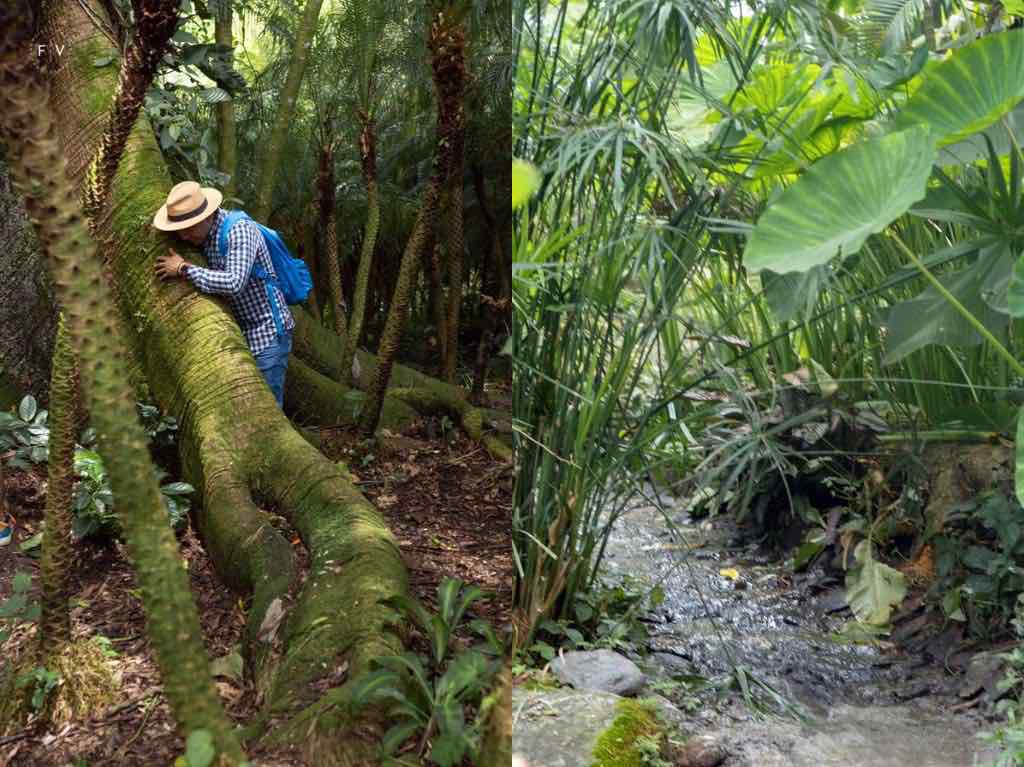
x=866, y=704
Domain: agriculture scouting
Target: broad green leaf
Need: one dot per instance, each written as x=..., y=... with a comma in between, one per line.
x=21, y=581
x=793, y=295
x=931, y=319
x=839, y=201
x=525, y=181
x=27, y=408
x=970, y=90
x=872, y=588
x=448, y=750
x=397, y=735
x=199, y=750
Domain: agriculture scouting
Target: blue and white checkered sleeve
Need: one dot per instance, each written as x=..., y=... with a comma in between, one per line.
x=243, y=240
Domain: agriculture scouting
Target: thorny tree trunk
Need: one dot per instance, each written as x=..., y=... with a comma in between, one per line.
x=57, y=555
x=435, y=287
x=227, y=135
x=369, y=417
x=448, y=58
x=329, y=232
x=41, y=175
x=285, y=109
x=447, y=48
x=368, y=158
x=235, y=444
x=155, y=22
x=492, y=299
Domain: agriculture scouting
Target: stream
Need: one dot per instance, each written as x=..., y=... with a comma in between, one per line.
x=866, y=703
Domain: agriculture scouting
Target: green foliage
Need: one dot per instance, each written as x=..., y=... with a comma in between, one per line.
x=93, y=501
x=41, y=682
x=607, y=616
x=1009, y=737
x=162, y=429
x=432, y=699
x=525, y=180
x=633, y=739
x=970, y=90
x=25, y=432
x=873, y=588
x=979, y=559
x=17, y=608
x=841, y=200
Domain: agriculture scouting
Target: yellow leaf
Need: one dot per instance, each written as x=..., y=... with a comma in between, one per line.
x=729, y=572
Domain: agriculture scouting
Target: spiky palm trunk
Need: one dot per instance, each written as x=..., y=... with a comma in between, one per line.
x=447, y=44
x=329, y=231
x=493, y=302
x=286, y=109
x=57, y=555
x=435, y=286
x=155, y=22
x=448, y=60
x=227, y=129
x=40, y=173
x=368, y=158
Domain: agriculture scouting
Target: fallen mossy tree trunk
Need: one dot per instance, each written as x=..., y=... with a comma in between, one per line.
x=318, y=347
x=236, y=445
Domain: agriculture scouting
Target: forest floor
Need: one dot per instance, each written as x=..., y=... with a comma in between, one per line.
x=443, y=496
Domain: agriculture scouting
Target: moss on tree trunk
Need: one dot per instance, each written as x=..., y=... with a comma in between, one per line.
x=237, y=447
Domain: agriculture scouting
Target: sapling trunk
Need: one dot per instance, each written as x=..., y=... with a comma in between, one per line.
x=329, y=231
x=285, y=109
x=40, y=173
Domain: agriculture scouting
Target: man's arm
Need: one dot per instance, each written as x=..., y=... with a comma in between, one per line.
x=243, y=242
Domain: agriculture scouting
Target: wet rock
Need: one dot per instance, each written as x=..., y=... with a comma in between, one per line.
x=984, y=672
x=559, y=728
x=701, y=751
x=599, y=670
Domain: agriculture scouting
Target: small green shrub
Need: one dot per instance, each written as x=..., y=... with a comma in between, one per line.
x=93, y=500
x=429, y=696
x=27, y=433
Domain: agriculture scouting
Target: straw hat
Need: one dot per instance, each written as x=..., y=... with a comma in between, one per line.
x=187, y=204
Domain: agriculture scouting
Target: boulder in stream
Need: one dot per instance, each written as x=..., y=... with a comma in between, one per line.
x=599, y=671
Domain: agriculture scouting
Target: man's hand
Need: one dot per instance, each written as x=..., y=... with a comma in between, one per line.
x=169, y=266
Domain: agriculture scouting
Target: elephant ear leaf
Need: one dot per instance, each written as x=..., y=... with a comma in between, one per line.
x=841, y=200
x=970, y=90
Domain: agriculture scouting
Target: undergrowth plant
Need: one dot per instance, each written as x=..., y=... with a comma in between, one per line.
x=427, y=696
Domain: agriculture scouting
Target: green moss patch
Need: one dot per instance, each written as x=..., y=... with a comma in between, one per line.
x=619, y=745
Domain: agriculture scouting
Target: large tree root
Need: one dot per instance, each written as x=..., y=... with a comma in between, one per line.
x=312, y=397
x=321, y=350
x=237, y=446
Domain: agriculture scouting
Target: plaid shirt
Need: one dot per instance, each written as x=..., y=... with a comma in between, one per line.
x=230, y=276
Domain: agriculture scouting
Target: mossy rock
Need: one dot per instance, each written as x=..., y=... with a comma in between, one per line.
x=621, y=745
x=572, y=728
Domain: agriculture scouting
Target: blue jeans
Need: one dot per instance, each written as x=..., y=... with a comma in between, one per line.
x=273, y=362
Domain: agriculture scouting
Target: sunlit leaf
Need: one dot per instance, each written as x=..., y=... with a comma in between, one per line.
x=970, y=90
x=525, y=181
x=841, y=200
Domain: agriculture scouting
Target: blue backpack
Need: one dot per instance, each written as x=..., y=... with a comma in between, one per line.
x=293, y=278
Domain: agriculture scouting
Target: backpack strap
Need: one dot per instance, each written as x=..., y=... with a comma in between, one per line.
x=257, y=269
